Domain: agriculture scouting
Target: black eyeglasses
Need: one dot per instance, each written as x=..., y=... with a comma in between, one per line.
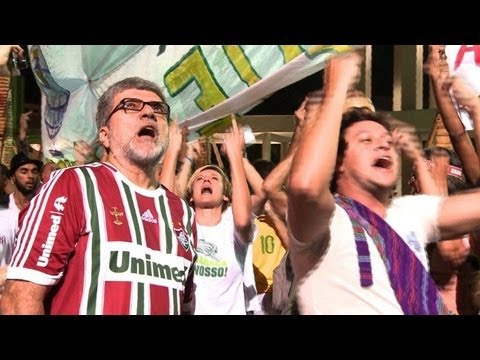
x=131, y=105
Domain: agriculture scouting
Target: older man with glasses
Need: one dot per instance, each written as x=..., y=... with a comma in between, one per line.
x=105, y=238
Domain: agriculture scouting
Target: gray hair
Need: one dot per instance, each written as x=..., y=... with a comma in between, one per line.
x=105, y=105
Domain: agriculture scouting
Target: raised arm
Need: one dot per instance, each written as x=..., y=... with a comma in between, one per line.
x=279, y=224
x=193, y=154
x=454, y=251
x=437, y=68
x=310, y=203
x=258, y=196
x=169, y=165
x=241, y=202
x=405, y=137
x=22, y=142
x=468, y=99
x=275, y=181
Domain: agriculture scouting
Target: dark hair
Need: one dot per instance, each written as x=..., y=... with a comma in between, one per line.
x=263, y=167
x=350, y=118
x=454, y=184
x=21, y=159
x=105, y=105
x=3, y=170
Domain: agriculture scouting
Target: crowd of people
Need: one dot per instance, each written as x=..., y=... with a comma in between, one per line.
x=150, y=229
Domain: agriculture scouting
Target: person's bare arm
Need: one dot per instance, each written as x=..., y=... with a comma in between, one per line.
x=274, y=184
x=241, y=202
x=468, y=99
x=459, y=214
x=433, y=181
x=454, y=251
x=275, y=181
x=406, y=140
x=193, y=153
x=258, y=196
x=169, y=165
x=437, y=68
x=279, y=224
x=23, y=298
x=22, y=142
x=310, y=202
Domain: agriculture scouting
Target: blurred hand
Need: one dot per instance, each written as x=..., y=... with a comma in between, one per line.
x=175, y=137
x=5, y=53
x=234, y=141
x=24, y=119
x=436, y=64
x=82, y=152
x=453, y=251
x=344, y=68
x=405, y=139
x=300, y=113
x=195, y=150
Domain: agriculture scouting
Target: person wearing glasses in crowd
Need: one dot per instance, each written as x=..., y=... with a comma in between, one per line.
x=105, y=238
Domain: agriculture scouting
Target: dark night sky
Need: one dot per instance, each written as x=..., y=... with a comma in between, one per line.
x=286, y=100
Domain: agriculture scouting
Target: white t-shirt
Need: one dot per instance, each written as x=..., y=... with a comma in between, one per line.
x=219, y=269
x=331, y=284
x=12, y=205
x=8, y=226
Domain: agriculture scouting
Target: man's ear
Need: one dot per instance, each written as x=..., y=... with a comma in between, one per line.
x=103, y=137
x=339, y=168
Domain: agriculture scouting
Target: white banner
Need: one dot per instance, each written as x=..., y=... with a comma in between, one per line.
x=464, y=60
x=202, y=83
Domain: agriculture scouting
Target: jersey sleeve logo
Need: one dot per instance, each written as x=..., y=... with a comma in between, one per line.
x=181, y=235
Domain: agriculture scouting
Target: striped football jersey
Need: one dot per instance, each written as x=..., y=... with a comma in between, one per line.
x=106, y=245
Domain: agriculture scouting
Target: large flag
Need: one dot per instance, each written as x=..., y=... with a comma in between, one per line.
x=202, y=83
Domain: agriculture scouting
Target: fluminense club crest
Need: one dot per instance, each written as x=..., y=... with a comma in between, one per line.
x=181, y=235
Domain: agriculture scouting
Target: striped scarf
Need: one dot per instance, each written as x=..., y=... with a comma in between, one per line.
x=414, y=288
